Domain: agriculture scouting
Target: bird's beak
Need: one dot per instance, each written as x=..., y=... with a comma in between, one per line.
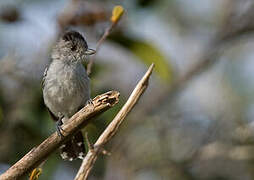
x=90, y=52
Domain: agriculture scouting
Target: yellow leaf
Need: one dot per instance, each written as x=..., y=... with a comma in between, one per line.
x=117, y=13
x=35, y=174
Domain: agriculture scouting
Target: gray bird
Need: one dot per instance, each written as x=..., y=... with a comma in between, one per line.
x=66, y=88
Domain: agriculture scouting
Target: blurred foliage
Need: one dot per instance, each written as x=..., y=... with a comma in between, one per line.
x=10, y=14
x=146, y=3
x=200, y=130
x=1, y=115
x=147, y=53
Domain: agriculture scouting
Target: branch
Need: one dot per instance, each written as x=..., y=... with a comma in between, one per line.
x=38, y=154
x=116, y=16
x=112, y=128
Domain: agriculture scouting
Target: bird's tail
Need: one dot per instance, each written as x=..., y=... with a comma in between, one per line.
x=73, y=148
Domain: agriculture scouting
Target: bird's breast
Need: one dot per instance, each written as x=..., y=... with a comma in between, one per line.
x=66, y=89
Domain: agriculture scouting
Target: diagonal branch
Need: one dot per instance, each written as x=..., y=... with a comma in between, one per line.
x=38, y=154
x=112, y=128
x=116, y=16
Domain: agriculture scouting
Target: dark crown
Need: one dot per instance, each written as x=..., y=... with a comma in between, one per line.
x=72, y=36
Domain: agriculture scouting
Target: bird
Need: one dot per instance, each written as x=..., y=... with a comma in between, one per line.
x=66, y=88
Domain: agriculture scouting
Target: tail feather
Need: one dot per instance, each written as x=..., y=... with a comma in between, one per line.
x=73, y=148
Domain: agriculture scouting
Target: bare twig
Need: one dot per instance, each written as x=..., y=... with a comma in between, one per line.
x=105, y=35
x=114, y=20
x=112, y=128
x=32, y=159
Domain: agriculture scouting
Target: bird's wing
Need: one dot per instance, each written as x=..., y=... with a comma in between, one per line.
x=44, y=77
x=52, y=115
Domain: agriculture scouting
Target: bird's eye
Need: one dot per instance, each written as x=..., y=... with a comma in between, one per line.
x=73, y=48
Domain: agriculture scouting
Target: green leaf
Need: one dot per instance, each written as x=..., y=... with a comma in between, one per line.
x=147, y=53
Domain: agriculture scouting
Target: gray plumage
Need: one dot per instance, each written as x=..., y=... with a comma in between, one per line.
x=66, y=87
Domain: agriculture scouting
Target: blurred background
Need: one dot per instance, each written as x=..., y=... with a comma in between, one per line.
x=194, y=122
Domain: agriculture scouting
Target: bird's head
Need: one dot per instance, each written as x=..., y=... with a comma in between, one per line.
x=72, y=46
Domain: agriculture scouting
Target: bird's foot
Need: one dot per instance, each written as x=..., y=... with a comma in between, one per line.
x=89, y=101
x=90, y=104
x=59, y=123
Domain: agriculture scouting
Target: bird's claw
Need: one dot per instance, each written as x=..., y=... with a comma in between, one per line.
x=59, y=123
x=89, y=102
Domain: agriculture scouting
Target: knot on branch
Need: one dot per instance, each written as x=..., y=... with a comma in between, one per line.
x=111, y=98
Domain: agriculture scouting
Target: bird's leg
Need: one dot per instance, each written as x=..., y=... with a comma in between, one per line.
x=59, y=123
